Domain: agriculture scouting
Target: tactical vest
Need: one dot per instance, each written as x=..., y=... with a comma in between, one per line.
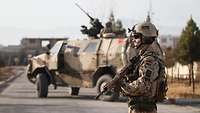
x=159, y=86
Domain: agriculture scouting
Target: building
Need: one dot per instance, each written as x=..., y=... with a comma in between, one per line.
x=168, y=41
x=11, y=54
x=182, y=71
x=18, y=54
x=35, y=46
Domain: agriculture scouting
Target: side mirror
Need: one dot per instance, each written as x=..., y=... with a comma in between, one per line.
x=48, y=46
x=48, y=52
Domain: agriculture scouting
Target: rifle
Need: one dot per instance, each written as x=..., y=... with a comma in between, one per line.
x=91, y=18
x=115, y=82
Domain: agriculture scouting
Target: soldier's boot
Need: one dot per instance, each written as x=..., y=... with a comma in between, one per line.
x=136, y=111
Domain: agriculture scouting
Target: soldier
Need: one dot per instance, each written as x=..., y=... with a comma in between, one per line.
x=107, y=31
x=96, y=27
x=108, y=28
x=94, y=30
x=119, y=30
x=142, y=90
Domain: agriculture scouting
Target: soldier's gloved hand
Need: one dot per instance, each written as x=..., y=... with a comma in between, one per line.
x=114, y=86
x=122, y=82
x=108, y=86
x=84, y=29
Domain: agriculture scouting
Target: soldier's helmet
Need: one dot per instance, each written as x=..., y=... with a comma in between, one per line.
x=109, y=24
x=147, y=29
x=118, y=24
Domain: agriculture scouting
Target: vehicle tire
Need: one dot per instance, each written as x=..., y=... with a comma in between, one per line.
x=74, y=91
x=110, y=95
x=42, y=85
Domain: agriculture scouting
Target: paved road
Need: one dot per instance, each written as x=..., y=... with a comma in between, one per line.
x=20, y=97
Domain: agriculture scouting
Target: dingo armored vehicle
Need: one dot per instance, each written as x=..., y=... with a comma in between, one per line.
x=77, y=63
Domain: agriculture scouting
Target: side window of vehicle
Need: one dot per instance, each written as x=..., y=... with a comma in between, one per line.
x=74, y=49
x=91, y=47
x=56, y=48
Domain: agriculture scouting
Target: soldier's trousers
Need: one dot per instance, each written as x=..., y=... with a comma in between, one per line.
x=136, y=111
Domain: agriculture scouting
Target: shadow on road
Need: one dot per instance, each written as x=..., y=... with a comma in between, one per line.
x=85, y=97
x=3, y=86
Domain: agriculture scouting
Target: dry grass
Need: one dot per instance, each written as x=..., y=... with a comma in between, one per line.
x=183, y=90
x=6, y=72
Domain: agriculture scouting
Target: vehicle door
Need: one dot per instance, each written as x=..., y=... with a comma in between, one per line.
x=88, y=56
x=103, y=52
x=52, y=62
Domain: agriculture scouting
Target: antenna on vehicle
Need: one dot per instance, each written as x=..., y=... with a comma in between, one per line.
x=150, y=7
x=150, y=13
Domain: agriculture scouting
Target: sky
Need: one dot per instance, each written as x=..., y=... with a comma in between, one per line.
x=62, y=18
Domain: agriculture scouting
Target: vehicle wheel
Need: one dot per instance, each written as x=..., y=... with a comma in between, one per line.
x=110, y=95
x=42, y=85
x=74, y=90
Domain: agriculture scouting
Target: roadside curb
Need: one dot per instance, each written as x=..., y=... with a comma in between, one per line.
x=11, y=78
x=8, y=80
x=182, y=101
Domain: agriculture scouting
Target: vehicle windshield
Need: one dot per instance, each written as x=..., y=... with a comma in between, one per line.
x=91, y=47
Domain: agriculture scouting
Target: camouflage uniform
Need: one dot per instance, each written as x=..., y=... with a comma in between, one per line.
x=156, y=47
x=141, y=87
x=135, y=111
x=141, y=92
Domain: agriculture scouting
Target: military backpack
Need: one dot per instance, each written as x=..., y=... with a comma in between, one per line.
x=161, y=87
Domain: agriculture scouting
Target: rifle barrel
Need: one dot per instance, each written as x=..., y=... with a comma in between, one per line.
x=83, y=11
x=81, y=8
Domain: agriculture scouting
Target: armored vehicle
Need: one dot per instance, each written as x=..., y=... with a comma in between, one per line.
x=77, y=63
